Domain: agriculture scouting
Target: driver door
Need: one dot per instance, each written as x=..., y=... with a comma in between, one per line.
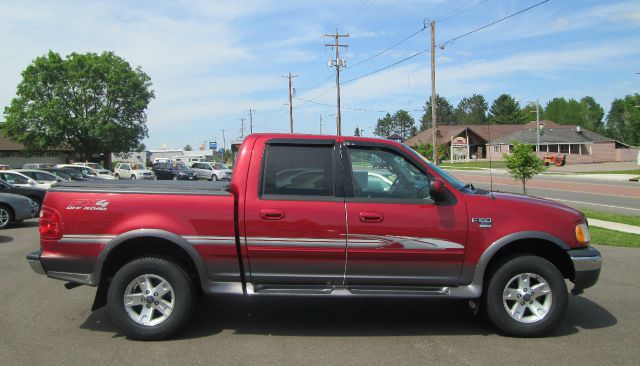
x=397, y=235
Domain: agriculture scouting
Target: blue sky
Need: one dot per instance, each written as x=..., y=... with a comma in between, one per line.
x=210, y=61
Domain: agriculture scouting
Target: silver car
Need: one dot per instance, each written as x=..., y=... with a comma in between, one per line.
x=132, y=171
x=15, y=208
x=211, y=171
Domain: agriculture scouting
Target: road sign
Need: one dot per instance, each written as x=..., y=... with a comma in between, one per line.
x=213, y=145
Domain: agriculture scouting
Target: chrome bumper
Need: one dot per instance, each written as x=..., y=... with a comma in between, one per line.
x=587, y=263
x=34, y=262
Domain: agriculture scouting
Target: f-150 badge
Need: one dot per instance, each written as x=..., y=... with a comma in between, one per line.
x=483, y=221
x=88, y=205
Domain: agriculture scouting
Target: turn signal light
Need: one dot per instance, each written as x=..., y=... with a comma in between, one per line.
x=49, y=225
x=582, y=234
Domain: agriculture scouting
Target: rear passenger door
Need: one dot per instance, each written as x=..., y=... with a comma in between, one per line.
x=295, y=229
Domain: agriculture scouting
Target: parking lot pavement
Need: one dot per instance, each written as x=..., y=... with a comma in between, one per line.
x=43, y=323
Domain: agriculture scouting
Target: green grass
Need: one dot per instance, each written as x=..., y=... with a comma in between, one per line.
x=498, y=164
x=614, y=238
x=632, y=171
x=607, y=216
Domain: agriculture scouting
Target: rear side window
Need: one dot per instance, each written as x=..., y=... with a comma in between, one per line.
x=294, y=170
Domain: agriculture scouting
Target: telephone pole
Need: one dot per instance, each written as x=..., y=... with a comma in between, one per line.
x=290, y=101
x=251, y=120
x=321, y=124
x=224, y=144
x=338, y=63
x=242, y=128
x=434, y=124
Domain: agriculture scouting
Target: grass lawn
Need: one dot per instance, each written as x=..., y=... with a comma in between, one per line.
x=615, y=238
x=473, y=165
x=607, y=216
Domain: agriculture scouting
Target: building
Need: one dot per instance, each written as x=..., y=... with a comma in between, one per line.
x=15, y=154
x=578, y=144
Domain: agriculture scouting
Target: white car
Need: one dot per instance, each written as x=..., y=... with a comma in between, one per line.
x=87, y=171
x=132, y=171
x=21, y=180
x=95, y=166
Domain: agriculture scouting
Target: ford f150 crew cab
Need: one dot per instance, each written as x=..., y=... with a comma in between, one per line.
x=307, y=215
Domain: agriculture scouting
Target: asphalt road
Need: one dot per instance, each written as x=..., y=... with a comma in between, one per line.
x=611, y=196
x=43, y=323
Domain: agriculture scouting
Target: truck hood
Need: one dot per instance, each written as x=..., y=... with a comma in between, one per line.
x=536, y=203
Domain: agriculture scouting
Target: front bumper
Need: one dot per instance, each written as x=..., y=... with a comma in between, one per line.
x=34, y=262
x=587, y=263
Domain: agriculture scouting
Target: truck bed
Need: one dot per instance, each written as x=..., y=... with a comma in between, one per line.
x=145, y=186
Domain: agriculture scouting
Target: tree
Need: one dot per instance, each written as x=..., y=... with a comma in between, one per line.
x=522, y=164
x=505, y=111
x=444, y=110
x=472, y=110
x=356, y=132
x=566, y=112
x=187, y=147
x=92, y=103
x=623, y=120
x=426, y=150
x=593, y=113
x=401, y=123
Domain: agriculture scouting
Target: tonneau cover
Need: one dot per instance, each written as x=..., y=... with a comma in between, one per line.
x=144, y=186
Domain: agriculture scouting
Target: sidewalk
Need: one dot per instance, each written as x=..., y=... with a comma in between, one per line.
x=625, y=228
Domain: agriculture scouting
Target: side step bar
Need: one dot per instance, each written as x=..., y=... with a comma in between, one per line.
x=383, y=291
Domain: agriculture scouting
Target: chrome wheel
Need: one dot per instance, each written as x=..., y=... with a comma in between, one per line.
x=5, y=217
x=149, y=300
x=527, y=298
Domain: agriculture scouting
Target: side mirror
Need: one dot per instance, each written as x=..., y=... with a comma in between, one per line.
x=32, y=182
x=437, y=189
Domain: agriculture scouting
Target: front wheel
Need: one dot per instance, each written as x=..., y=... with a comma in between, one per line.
x=133, y=177
x=6, y=216
x=117, y=176
x=214, y=177
x=526, y=296
x=150, y=298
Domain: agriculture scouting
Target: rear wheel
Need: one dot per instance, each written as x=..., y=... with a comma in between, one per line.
x=214, y=177
x=117, y=176
x=6, y=216
x=150, y=298
x=133, y=177
x=526, y=296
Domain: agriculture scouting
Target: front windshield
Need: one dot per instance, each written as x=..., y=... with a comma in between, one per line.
x=446, y=176
x=137, y=167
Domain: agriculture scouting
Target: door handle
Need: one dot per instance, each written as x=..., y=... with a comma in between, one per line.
x=371, y=217
x=271, y=214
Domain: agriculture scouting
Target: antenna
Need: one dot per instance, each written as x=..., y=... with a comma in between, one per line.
x=490, y=170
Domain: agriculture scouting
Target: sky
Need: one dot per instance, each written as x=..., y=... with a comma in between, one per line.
x=212, y=61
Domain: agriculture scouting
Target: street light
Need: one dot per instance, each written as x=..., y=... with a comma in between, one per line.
x=530, y=102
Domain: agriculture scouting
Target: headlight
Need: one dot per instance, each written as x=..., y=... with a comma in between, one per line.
x=582, y=234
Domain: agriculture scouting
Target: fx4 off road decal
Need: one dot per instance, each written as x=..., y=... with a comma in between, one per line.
x=88, y=205
x=483, y=221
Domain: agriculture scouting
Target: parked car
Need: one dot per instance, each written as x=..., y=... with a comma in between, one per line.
x=21, y=180
x=151, y=247
x=132, y=171
x=40, y=176
x=15, y=208
x=95, y=166
x=5, y=167
x=38, y=165
x=35, y=194
x=175, y=171
x=211, y=171
x=65, y=173
x=87, y=172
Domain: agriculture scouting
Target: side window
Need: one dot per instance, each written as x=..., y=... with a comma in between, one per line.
x=384, y=174
x=43, y=177
x=298, y=171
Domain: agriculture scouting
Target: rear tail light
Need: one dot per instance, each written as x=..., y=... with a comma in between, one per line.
x=50, y=225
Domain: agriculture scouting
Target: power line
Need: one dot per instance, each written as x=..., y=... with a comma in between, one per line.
x=388, y=48
x=343, y=107
x=460, y=10
x=386, y=67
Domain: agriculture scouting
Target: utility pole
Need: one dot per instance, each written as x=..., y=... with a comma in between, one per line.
x=251, y=120
x=434, y=124
x=242, y=128
x=538, y=128
x=337, y=62
x=321, y=124
x=224, y=144
x=290, y=101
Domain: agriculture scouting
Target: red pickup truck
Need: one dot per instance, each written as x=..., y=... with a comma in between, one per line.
x=308, y=215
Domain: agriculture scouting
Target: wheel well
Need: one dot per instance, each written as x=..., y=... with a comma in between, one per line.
x=542, y=248
x=11, y=211
x=135, y=248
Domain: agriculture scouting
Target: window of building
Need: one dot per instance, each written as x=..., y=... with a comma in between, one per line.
x=564, y=148
x=553, y=148
x=496, y=148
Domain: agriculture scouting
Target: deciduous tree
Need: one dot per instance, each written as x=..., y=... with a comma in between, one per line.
x=522, y=164
x=89, y=102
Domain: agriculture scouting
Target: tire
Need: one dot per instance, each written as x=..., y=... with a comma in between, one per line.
x=214, y=177
x=131, y=279
x=513, y=284
x=6, y=216
x=133, y=177
x=175, y=177
x=117, y=176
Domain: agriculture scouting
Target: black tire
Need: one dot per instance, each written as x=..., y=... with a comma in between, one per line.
x=529, y=326
x=117, y=176
x=182, y=295
x=175, y=177
x=7, y=214
x=214, y=177
x=133, y=177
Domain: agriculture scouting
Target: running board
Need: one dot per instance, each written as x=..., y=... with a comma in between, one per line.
x=386, y=291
